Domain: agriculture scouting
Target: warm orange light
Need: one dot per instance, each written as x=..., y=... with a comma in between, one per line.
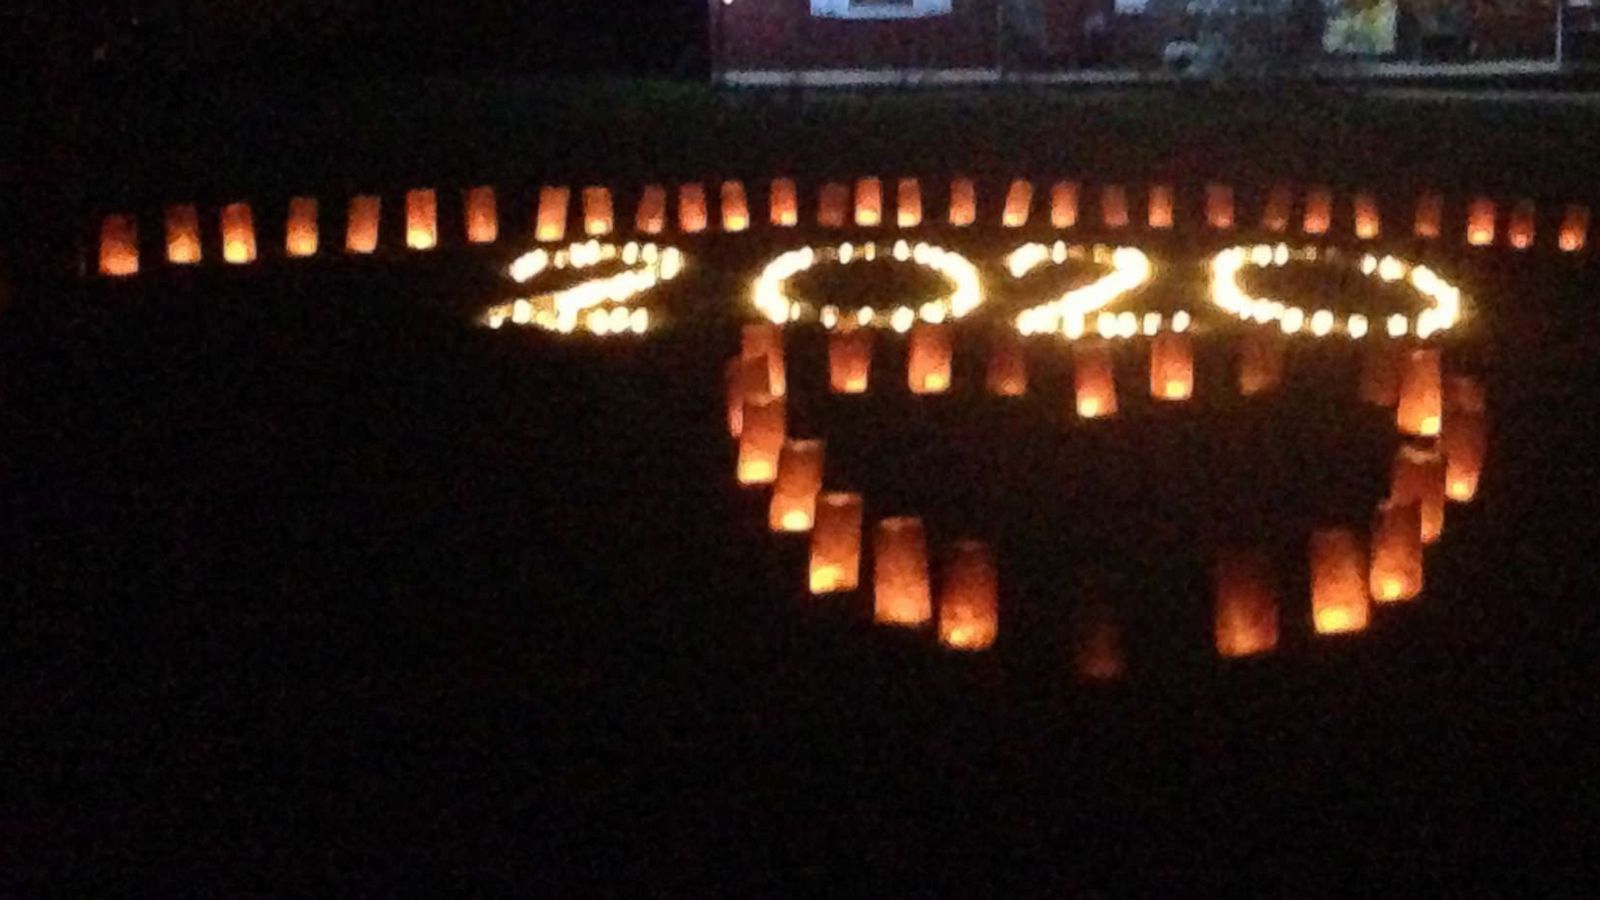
x=761, y=441
x=763, y=340
x=1319, y=211
x=482, y=214
x=1464, y=444
x=1261, y=359
x=596, y=211
x=735, y=207
x=302, y=236
x=1368, y=216
x=1430, y=216
x=1114, y=206
x=1019, y=203
x=869, y=202
x=1171, y=366
x=651, y=216
x=1396, y=552
x=901, y=593
x=1246, y=603
x=1275, y=213
x=693, y=217
x=1007, y=374
x=1064, y=204
x=1520, y=230
x=747, y=382
x=1339, y=601
x=1574, y=229
x=794, y=492
x=963, y=202
x=928, y=359
x=361, y=227
x=850, y=361
x=1464, y=393
x=1097, y=643
x=1380, y=375
x=969, y=598
x=836, y=544
x=1219, y=206
x=1421, y=407
x=422, y=219
x=908, y=203
x=183, y=235
x=833, y=205
x=783, y=201
x=238, y=234
x=119, y=246
x=1481, y=222
x=1418, y=477
x=551, y=220
x=1161, y=206
x=1094, y=380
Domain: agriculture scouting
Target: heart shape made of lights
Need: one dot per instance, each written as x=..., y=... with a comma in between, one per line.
x=1441, y=460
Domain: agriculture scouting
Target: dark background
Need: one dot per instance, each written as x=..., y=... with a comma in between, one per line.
x=310, y=583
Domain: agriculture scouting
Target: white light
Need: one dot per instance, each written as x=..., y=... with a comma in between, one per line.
x=1152, y=323
x=529, y=265
x=1357, y=326
x=1106, y=325
x=902, y=319
x=1072, y=327
x=830, y=317
x=1180, y=321
x=1397, y=326
x=1321, y=323
x=1293, y=320
x=864, y=316
x=671, y=263
x=1127, y=325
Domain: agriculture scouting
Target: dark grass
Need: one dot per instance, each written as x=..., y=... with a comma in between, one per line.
x=242, y=140
x=313, y=581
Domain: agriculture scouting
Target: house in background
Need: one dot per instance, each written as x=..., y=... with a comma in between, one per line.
x=958, y=42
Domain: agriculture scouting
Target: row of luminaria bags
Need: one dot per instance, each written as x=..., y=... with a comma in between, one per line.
x=1443, y=422
x=863, y=203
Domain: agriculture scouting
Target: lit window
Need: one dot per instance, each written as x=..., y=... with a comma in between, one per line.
x=879, y=9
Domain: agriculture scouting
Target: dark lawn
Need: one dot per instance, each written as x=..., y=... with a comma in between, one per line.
x=163, y=142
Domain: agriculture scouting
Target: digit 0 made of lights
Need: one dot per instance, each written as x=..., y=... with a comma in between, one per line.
x=1443, y=313
x=774, y=300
